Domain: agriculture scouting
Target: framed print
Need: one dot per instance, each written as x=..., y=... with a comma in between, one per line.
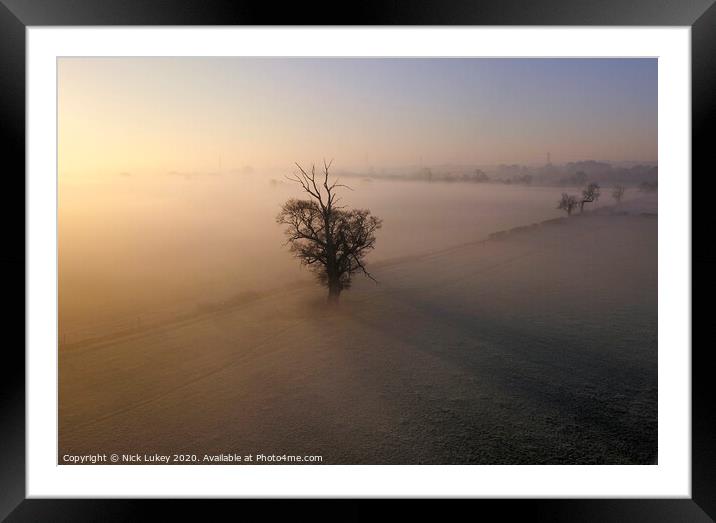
x=427, y=252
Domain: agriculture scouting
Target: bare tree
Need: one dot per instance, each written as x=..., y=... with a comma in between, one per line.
x=567, y=203
x=618, y=193
x=330, y=239
x=589, y=194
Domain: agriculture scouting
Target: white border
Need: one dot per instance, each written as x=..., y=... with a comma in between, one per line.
x=670, y=478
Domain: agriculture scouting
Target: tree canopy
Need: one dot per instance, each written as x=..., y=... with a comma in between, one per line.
x=328, y=238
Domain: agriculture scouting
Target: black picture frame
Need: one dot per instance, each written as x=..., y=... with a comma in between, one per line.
x=16, y=15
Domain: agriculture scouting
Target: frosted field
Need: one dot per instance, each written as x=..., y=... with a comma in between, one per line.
x=538, y=347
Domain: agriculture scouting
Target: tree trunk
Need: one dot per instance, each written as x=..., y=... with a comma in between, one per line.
x=334, y=281
x=334, y=284
x=334, y=291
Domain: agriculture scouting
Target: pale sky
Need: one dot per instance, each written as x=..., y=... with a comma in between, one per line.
x=202, y=114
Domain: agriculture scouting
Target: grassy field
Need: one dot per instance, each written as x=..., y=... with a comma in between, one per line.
x=535, y=347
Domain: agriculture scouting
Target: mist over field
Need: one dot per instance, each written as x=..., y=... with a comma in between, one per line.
x=135, y=245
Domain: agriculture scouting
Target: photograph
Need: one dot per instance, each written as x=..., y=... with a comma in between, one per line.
x=285, y=260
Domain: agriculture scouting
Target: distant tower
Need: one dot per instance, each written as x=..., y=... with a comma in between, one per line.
x=549, y=159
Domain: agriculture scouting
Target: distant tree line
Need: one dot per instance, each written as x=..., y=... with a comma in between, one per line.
x=573, y=174
x=592, y=192
x=568, y=202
